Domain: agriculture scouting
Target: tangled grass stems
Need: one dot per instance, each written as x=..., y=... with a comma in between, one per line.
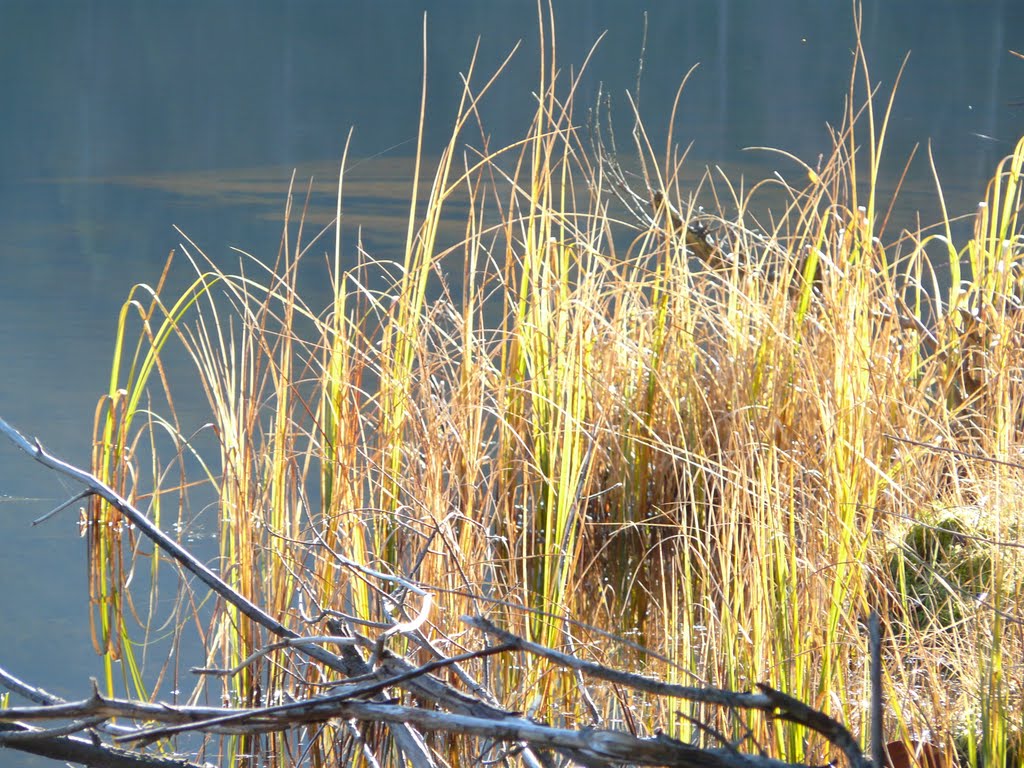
x=694, y=454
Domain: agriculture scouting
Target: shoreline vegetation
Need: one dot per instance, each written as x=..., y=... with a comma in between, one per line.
x=702, y=445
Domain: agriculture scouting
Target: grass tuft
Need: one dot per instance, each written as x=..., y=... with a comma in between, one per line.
x=726, y=450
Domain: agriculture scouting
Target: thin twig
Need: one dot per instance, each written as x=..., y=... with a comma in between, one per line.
x=61, y=507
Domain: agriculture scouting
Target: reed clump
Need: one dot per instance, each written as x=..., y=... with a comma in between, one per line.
x=583, y=427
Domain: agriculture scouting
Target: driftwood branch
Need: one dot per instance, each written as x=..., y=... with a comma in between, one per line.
x=410, y=743
x=371, y=674
x=769, y=701
x=589, y=746
x=161, y=539
x=83, y=751
x=703, y=695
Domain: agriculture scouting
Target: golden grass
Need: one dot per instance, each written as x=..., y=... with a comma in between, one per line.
x=585, y=428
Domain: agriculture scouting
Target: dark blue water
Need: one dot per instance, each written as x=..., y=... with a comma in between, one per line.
x=120, y=120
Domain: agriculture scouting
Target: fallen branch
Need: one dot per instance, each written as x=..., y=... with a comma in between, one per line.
x=769, y=701
x=364, y=696
x=590, y=746
x=409, y=742
x=77, y=750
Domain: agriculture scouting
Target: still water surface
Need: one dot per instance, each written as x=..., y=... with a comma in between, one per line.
x=121, y=120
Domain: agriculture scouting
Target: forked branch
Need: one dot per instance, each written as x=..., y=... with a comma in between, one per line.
x=364, y=696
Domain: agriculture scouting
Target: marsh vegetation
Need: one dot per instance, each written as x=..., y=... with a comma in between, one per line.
x=706, y=462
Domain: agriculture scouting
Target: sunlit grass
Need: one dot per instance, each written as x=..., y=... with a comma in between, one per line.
x=568, y=422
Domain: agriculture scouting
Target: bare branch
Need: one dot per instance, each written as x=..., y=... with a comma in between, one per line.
x=639, y=682
x=769, y=701
x=463, y=713
x=77, y=750
x=409, y=742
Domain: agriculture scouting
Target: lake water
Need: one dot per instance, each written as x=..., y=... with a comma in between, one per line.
x=121, y=120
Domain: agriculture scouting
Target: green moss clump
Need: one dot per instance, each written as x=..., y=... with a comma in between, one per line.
x=941, y=568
